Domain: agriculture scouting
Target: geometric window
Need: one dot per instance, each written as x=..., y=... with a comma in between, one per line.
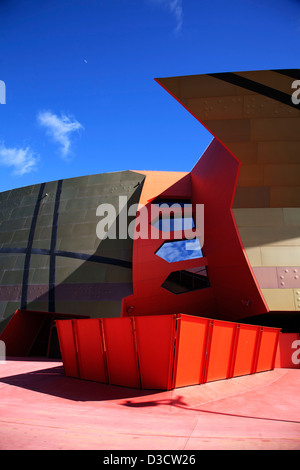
x=181, y=250
x=179, y=282
x=173, y=224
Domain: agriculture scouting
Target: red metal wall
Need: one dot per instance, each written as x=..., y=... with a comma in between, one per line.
x=164, y=352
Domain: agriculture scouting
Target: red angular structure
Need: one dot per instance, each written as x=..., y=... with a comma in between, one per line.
x=165, y=351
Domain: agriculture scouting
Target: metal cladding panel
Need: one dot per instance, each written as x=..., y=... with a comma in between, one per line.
x=155, y=342
x=246, y=344
x=267, y=349
x=191, y=345
x=121, y=353
x=288, y=351
x=67, y=347
x=220, y=351
x=20, y=332
x=90, y=350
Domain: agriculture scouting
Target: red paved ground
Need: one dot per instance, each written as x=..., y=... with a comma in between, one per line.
x=40, y=408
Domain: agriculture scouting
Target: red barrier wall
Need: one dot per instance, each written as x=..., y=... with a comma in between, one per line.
x=155, y=337
x=162, y=352
x=90, y=351
x=190, y=352
x=121, y=355
x=246, y=343
x=68, y=348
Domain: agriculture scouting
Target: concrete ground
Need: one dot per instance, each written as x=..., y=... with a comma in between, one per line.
x=40, y=408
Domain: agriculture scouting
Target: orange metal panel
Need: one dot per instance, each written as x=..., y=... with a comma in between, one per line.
x=155, y=343
x=190, y=350
x=121, y=352
x=246, y=342
x=267, y=349
x=67, y=347
x=90, y=352
x=220, y=351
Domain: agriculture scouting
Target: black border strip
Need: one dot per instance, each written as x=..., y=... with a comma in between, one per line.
x=71, y=254
x=292, y=73
x=256, y=87
x=51, y=305
x=28, y=249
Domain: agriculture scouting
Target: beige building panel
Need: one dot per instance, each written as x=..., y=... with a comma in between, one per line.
x=297, y=298
x=196, y=106
x=200, y=86
x=279, y=299
x=254, y=256
x=260, y=106
x=259, y=217
x=275, y=129
x=246, y=152
x=278, y=152
x=254, y=197
x=280, y=256
x=267, y=236
x=285, y=196
x=282, y=174
x=223, y=107
x=234, y=130
x=251, y=175
x=291, y=216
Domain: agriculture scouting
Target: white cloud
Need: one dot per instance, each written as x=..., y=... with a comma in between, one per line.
x=175, y=7
x=23, y=160
x=60, y=129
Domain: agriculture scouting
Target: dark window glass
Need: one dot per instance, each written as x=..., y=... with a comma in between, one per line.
x=179, y=282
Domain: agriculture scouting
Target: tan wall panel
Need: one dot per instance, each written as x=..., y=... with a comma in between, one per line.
x=275, y=129
x=204, y=85
x=246, y=152
x=223, y=107
x=235, y=130
x=279, y=299
x=259, y=217
x=291, y=216
x=260, y=106
x=280, y=256
x=252, y=197
x=282, y=174
x=297, y=298
x=278, y=152
x=267, y=236
x=251, y=175
x=254, y=256
x=285, y=196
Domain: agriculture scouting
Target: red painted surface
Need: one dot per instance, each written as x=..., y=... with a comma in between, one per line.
x=23, y=328
x=234, y=293
x=267, y=348
x=43, y=409
x=191, y=343
x=68, y=347
x=120, y=350
x=155, y=344
x=90, y=350
x=162, y=352
x=288, y=351
x=220, y=351
x=247, y=337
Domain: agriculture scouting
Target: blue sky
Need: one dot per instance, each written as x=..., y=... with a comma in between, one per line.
x=79, y=74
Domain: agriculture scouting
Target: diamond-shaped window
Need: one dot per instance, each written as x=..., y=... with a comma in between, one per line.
x=180, y=250
x=179, y=282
